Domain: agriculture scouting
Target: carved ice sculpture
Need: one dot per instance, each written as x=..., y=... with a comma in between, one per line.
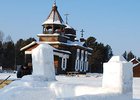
x=118, y=75
x=43, y=62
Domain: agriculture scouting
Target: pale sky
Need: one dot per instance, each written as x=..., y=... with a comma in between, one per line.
x=112, y=22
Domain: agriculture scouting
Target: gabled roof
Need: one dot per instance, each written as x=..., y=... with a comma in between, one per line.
x=28, y=46
x=35, y=44
x=54, y=17
x=135, y=65
x=134, y=61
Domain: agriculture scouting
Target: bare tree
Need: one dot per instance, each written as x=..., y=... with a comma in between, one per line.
x=8, y=38
x=1, y=36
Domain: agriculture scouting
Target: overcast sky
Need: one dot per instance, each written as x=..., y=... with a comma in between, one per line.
x=113, y=22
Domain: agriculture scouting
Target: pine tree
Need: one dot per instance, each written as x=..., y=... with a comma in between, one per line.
x=20, y=56
x=99, y=55
x=9, y=54
x=109, y=52
x=138, y=58
x=90, y=42
x=125, y=55
x=130, y=56
x=1, y=53
x=1, y=36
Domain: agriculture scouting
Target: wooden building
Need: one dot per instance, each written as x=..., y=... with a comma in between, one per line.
x=136, y=67
x=69, y=54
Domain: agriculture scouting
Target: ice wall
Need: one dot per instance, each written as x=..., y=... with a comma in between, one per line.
x=43, y=62
x=118, y=75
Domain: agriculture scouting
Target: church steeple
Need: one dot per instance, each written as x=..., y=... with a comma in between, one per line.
x=54, y=22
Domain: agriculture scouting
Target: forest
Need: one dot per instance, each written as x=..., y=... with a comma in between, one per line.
x=10, y=54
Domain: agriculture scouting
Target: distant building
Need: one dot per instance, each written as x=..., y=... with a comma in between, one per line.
x=69, y=54
x=136, y=67
x=134, y=61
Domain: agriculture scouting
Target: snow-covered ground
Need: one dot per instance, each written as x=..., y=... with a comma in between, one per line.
x=5, y=75
x=86, y=85
x=115, y=84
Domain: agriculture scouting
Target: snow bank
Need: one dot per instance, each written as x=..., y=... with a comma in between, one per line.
x=21, y=85
x=25, y=89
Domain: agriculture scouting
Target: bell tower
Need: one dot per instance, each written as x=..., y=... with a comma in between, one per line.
x=54, y=23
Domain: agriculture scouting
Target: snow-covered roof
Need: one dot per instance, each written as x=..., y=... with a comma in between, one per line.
x=134, y=59
x=54, y=17
x=55, y=34
x=75, y=43
x=134, y=65
x=33, y=43
x=70, y=43
x=70, y=35
x=68, y=26
x=29, y=45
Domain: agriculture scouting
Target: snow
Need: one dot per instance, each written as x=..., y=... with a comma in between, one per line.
x=5, y=75
x=43, y=67
x=54, y=18
x=118, y=74
x=68, y=26
x=70, y=35
x=51, y=21
x=27, y=46
x=76, y=43
x=41, y=90
x=117, y=59
x=52, y=35
x=136, y=88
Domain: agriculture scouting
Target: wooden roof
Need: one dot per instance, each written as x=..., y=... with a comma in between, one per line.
x=54, y=17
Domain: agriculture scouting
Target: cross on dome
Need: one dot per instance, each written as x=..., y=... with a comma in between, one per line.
x=82, y=32
x=54, y=4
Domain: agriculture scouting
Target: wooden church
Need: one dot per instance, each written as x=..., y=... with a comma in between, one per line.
x=69, y=54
